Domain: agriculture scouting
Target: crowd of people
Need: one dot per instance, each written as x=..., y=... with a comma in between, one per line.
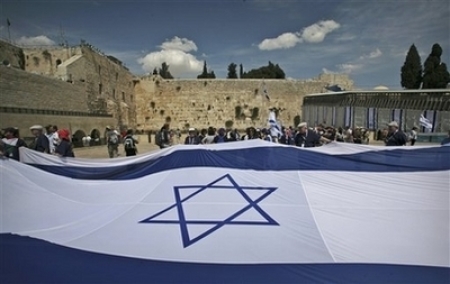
x=49, y=139
x=58, y=142
x=301, y=136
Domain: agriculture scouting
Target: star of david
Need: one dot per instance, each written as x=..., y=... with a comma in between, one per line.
x=225, y=182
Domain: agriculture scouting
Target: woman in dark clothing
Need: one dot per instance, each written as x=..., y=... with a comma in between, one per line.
x=64, y=147
x=12, y=143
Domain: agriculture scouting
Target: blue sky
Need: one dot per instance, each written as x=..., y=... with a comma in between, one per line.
x=366, y=39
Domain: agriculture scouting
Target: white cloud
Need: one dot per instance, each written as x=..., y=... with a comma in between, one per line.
x=312, y=34
x=374, y=54
x=317, y=32
x=346, y=37
x=176, y=54
x=177, y=43
x=37, y=40
x=349, y=68
x=284, y=41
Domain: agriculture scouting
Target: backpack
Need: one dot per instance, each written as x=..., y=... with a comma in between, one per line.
x=129, y=144
x=113, y=139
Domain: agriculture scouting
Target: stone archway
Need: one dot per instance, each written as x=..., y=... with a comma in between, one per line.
x=95, y=137
x=77, y=138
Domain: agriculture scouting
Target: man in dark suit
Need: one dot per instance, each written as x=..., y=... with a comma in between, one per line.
x=395, y=136
x=41, y=143
x=192, y=138
x=307, y=137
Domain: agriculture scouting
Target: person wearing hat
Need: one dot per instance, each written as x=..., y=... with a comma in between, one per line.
x=192, y=138
x=395, y=136
x=64, y=147
x=308, y=137
x=41, y=143
x=11, y=143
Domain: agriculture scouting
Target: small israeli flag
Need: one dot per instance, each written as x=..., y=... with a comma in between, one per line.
x=274, y=126
x=425, y=122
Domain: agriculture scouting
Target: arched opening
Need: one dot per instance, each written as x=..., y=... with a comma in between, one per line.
x=77, y=138
x=58, y=62
x=95, y=138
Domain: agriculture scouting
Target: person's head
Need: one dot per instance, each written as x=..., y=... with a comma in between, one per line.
x=264, y=132
x=221, y=132
x=9, y=133
x=166, y=126
x=49, y=129
x=211, y=131
x=204, y=132
x=108, y=128
x=64, y=134
x=192, y=132
x=302, y=128
x=36, y=130
x=130, y=132
x=414, y=128
x=393, y=126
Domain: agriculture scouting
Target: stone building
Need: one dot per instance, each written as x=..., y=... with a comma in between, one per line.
x=108, y=83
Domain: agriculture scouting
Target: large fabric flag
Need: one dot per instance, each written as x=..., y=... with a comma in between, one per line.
x=236, y=213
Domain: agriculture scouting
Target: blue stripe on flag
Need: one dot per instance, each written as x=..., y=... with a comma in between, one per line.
x=270, y=159
x=27, y=260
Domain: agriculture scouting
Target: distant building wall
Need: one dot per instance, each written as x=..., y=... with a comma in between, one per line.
x=28, y=99
x=375, y=109
x=106, y=81
x=203, y=103
x=12, y=55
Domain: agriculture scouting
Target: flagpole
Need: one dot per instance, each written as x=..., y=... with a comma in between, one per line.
x=9, y=33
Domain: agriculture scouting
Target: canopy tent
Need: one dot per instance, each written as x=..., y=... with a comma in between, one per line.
x=204, y=215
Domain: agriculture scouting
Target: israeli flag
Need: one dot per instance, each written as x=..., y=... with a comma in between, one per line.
x=274, y=126
x=425, y=122
x=229, y=213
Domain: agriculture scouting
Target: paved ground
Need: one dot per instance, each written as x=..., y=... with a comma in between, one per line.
x=144, y=147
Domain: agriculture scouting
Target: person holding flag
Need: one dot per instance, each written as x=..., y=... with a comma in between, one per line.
x=274, y=126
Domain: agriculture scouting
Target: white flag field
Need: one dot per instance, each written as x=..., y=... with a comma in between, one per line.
x=241, y=212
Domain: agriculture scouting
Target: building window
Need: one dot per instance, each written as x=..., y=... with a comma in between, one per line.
x=100, y=89
x=58, y=62
x=123, y=96
x=131, y=98
x=117, y=76
x=114, y=93
x=99, y=69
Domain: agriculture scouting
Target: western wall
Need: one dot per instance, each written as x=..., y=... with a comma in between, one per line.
x=82, y=89
x=216, y=102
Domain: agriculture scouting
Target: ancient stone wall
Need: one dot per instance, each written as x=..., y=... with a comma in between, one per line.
x=45, y=61
x=203, y=103
x=12, y=55
x=28, y=99
x=107, y=82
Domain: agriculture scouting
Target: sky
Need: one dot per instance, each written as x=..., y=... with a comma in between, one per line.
x=366, y=39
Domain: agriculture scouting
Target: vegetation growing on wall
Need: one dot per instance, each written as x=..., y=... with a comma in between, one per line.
x=229, y=124
x=47, y=55
x=255, y=113
x=161, y=112
x=297, y=120
x=36, y=60
x=237, y=112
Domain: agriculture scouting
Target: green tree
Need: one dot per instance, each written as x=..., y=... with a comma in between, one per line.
x=436, y=75
x=232, y=71
x=205, y=74
x=241, y=71
x=411, y=72
x=155, y=71
x=271, y=71
x=164, y=71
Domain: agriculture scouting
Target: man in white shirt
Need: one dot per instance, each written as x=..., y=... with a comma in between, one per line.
x=52, y=136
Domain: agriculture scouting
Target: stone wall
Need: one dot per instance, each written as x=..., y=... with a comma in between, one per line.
x=26, y=90
x=203, y=103
x=45, y=61
x=28, y=99
x=107, y=82
x=11, y=55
